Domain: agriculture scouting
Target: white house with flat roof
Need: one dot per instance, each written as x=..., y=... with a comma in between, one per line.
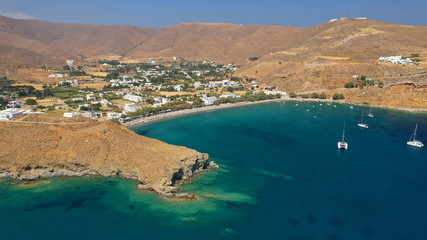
x=131, y=107
x=133, y=98
x=209, y=100
x=69, y=115
x=113, y=115
x=10, y=113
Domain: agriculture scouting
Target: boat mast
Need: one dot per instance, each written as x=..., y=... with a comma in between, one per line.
x=361, y=120
x=343, y=131
x=415, y=131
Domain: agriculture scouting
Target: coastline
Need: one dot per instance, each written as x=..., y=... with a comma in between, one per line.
x=168, y=115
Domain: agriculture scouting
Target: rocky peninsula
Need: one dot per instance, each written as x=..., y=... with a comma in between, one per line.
x=45, y=146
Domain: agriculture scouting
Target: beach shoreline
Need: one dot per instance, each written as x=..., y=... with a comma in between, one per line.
x=168, y=115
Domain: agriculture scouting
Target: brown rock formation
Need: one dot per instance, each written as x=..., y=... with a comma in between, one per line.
x=43, y=146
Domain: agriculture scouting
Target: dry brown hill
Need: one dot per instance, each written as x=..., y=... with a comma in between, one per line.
x=42, y=146
x=203, y=41
x=336, y=51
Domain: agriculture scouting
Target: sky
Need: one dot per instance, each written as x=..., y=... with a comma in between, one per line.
x=161, y=13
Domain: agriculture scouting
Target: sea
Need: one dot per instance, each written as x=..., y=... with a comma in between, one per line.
x=281, y=176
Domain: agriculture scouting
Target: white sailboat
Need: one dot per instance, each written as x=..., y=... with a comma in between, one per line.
x=370, y=112
x=412, y=141
x=343, y=144
x=361, y=124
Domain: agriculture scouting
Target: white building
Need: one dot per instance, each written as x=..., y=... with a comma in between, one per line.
x=15, y=104
x=10, y=113
x=229, y=95
x=396, y=60
x=105, y=102
x=178, y=88
x=209, y=100
x=133, y=98
x=70, y=63
x=131, y=107
x=215, y=84
x=78, y=99
x=113, y=115
x=90, y=97
x=69, y=115
x=84, y=106
x=275, y=93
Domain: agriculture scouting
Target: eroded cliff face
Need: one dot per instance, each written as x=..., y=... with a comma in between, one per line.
x=44, y=146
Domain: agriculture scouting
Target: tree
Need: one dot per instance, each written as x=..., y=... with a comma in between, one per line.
x=314, y=95
x=349, y=85
x=337, y=96
x=66, y=68
x=31, y=101
x=292, y=95
x=363, y=77
x=380, y=84
x=322, y=96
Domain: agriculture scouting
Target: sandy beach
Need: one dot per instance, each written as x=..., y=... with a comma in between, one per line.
x=167, y=115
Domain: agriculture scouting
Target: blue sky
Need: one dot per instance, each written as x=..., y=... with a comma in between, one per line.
x=160, y=13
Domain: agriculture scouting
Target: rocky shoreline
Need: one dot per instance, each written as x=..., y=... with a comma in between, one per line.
x=31, y=151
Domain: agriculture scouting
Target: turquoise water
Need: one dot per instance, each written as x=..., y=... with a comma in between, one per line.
x=281, y=177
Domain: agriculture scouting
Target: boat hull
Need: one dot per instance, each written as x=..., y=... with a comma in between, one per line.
x=342, y=145
x=362, y=125
x=415, y=143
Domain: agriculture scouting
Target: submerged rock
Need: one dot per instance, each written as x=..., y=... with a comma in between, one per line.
x=212, y=164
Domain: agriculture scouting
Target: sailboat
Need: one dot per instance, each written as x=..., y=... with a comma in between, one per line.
x=361, y=124
x=370, y=112
x=412, y=141
x=343, y=144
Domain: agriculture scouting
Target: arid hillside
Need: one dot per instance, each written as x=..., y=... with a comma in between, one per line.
x=42, y=146
x=202, y=41
x=342, y=49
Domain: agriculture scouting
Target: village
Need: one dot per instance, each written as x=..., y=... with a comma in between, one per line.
x=123, y=92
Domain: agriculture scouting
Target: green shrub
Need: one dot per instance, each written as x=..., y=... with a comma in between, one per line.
x=31, y=101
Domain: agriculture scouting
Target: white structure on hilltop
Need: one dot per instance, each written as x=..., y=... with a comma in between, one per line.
x=10, y=113
x=396, y=60
x=70, y=63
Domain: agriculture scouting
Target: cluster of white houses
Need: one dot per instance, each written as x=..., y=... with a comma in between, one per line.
x=397, y=60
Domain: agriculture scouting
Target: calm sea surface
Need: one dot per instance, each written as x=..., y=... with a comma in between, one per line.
x=281, y=177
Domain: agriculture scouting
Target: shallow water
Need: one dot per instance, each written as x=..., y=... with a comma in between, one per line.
x=281, y=177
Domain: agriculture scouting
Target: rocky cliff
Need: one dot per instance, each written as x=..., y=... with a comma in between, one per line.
x=43, y=146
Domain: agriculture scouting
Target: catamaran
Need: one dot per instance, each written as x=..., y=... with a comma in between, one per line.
x=343, y=144
x=361, y=124
x=370, y=112
x=412, y=141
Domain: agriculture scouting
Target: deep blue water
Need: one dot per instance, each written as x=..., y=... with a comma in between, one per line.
x=281, y=177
